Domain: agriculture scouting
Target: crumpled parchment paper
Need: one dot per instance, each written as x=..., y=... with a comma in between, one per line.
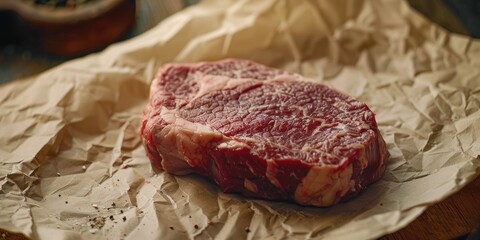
x=72, y=164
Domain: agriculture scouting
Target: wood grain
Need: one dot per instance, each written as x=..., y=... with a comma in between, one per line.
x=452, y=218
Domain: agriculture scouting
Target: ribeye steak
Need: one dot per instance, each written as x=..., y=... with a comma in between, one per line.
x=262, y=132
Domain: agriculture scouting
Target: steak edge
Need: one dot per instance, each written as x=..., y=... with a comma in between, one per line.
x=262, y=132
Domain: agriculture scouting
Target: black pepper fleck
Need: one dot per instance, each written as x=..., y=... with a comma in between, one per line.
x=113, y=204
x=247, y=230
x=196, y=226
x=171, y=228
x=96, y=222
x=124, y=219
x=111, y=217
x=66, y=202
x=59, y=195
x=121, y=211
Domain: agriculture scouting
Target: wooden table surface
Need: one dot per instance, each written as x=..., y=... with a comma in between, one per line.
x=450, y=219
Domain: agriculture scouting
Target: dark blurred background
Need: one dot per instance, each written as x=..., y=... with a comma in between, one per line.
x=29, y=45
x=460, y=16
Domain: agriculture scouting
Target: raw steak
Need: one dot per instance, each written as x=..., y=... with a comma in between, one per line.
x=262, y=132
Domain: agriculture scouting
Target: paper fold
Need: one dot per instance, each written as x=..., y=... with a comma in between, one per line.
x=72, y=164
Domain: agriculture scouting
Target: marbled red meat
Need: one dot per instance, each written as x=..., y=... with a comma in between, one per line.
x=262, y=132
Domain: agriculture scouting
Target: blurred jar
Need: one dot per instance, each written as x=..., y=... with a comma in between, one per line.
x=65, y=27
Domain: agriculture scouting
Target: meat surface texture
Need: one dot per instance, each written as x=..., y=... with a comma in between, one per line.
x=262, y=132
